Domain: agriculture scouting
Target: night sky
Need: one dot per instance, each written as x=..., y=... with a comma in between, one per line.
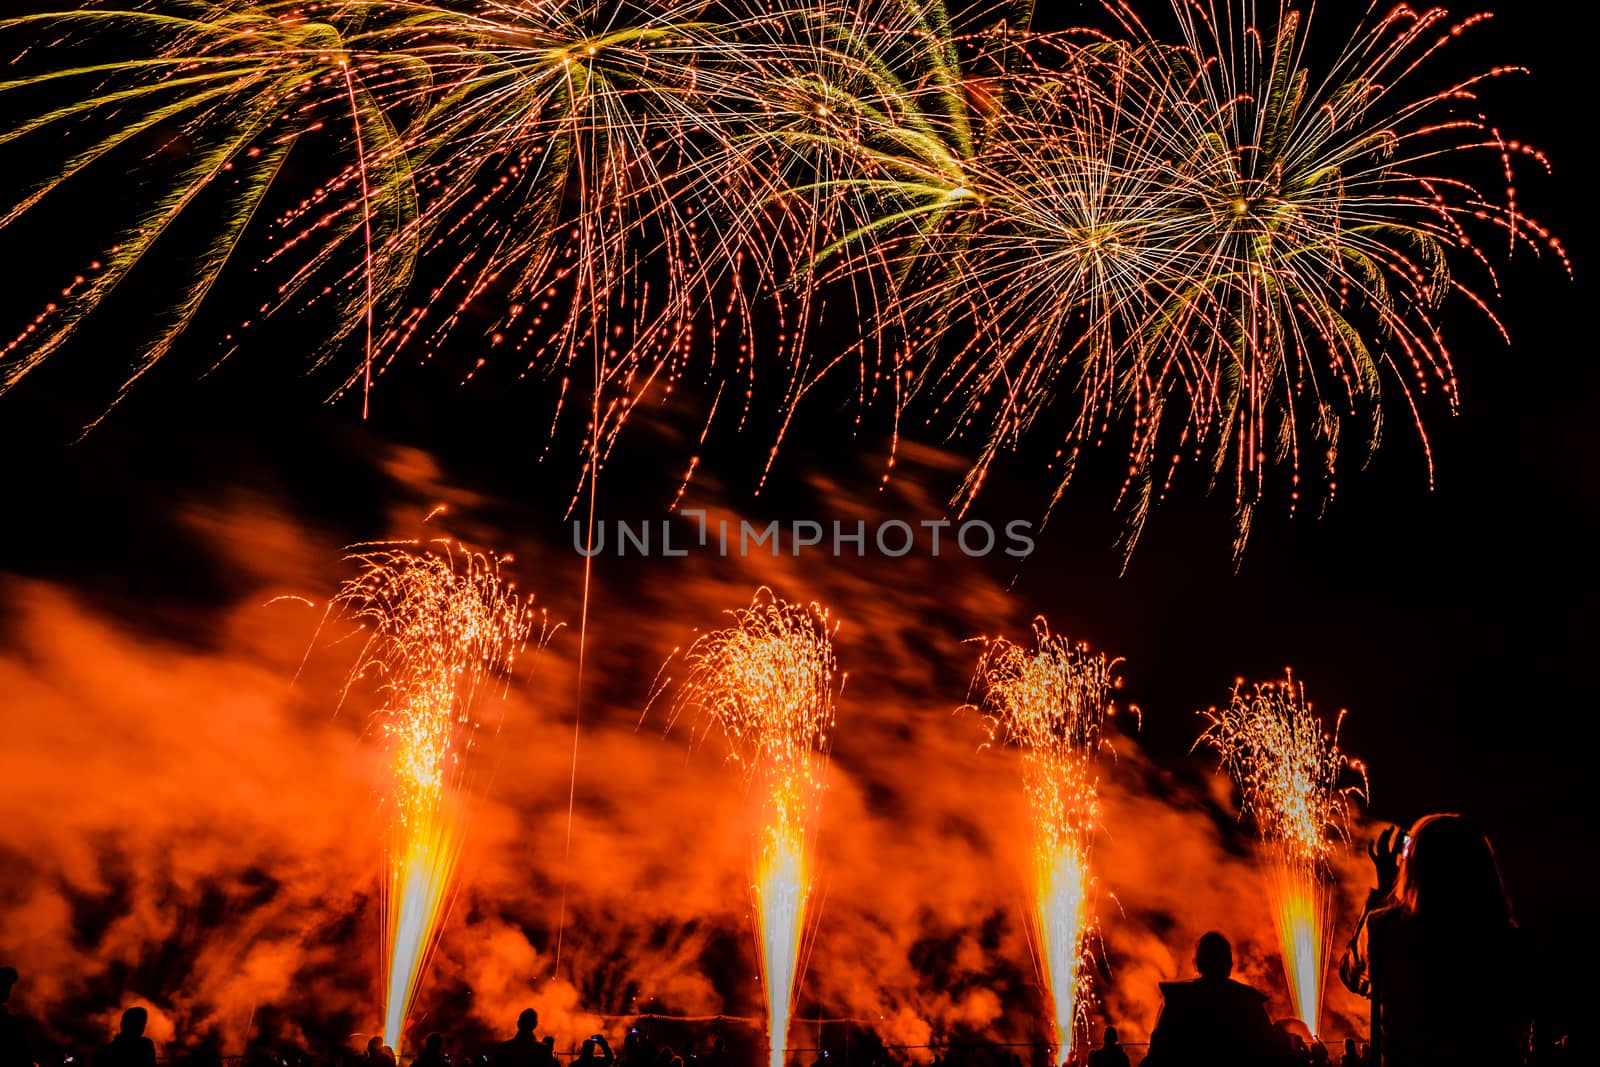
x=1456, y=625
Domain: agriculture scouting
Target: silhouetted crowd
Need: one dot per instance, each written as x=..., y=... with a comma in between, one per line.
x=1436, y=953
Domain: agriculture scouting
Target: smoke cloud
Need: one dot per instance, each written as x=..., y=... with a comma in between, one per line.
x=194, y=824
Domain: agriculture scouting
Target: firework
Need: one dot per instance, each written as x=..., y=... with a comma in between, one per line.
x=768, y=682
x=1051, y=701
x=1216, y=250
x=1222, y=249
x=440, y=630
x=1289, y=772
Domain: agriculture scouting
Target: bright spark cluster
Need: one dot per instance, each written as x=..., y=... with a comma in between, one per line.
x=1292, y=780
x=1051, y=701
x=768, y=683
x=441, y=626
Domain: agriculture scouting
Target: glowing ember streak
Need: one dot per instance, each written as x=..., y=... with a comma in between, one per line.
x=768, y=681
x=440, y=628
x=1052, y=703
x=1289, y=772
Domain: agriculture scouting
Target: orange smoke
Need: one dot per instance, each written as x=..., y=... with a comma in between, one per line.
x=213, y=836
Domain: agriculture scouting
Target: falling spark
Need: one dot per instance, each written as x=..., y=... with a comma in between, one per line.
x=1052, y=702
x=441, y=627
x=1289, y=772
x=768, y=681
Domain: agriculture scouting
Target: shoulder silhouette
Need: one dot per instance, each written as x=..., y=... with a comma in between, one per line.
x=524, y=1049
x=14, y=1048
x=1110, y=1053
x=130, y=1048
x=433, y=1053
x=1211, y=1021
x=1438, y=953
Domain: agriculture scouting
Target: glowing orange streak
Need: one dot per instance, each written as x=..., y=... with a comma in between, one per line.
x=782, y=891
x=421, y=869
x=1301, y=917
x=1061, y=902
x=366, y=230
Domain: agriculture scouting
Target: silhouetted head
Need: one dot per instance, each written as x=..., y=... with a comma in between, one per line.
x=434, y=1043
x=134, y=1021
x=547, y=1041
x=1448, y=871
x=527, y=1021
x=1213, y=956
x=1111, y=1035
x=1349, y=1046
x=718, y=1045
x=8, y=978
x=375, y=1046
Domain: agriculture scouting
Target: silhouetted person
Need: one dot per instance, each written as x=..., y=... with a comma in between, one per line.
x=1319, y=1054
x=524, y=1049
x=596, y=1052
x=130, y=1048
x=1109, y=1054
x=1438, y=952
x=1211, y=1021
x=14, y=1048
x=378, y=1054
x=1351, y=1057
x=634, y=1051
x=717, y=1054
x=433, y=1054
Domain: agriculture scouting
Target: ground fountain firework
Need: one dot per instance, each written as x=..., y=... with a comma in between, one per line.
x=1292, y=780
x=768, y=683
x=442, y=627
x=1051, y=701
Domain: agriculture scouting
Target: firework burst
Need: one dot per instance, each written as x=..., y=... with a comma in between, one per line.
x=768, y=682
x=1051, y=701
x=1233, y=248
x=1220, y=250
x=1290, y=773
x=441, y=628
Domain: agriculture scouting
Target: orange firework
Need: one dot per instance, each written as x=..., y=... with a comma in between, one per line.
x=1289, y=772
x=768, y=681
x=1052, y=703
x=440, y=628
